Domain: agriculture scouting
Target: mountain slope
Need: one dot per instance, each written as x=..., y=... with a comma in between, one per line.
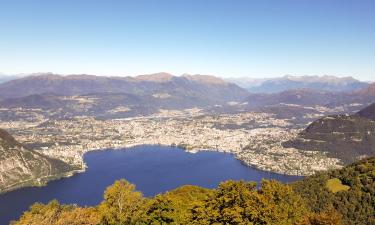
x=305, y=97
x=21, y=167
x=345, y=137
x=4, y=78
x=368, y=112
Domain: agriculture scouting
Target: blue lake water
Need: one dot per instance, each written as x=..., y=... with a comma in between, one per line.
x=153, y=169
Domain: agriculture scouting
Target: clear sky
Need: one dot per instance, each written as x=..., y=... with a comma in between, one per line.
x=227, y=38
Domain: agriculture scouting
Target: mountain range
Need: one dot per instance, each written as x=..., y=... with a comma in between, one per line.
x=204, y=87
x=318, y=83
x=311, y=97
x=115, y=97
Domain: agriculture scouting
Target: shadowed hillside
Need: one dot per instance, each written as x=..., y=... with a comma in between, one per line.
x=23, y=167
x=348, y=138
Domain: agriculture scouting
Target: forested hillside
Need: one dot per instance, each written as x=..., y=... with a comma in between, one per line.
x=353, y=196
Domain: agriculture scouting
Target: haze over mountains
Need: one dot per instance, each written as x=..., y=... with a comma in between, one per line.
x=112, y=97
x=123, y=96
x=4, y=77
x=162, y=84
x=312, y=97
x=319, y=83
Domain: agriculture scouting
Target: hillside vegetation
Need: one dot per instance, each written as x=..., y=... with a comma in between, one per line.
x=356, y=203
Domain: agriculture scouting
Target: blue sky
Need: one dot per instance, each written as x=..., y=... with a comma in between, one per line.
x=227, y=38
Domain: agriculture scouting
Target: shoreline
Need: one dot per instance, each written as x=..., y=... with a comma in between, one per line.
x=43, y=181
x=40, y=182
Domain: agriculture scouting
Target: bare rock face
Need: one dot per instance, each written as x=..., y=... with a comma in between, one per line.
x=20, y=167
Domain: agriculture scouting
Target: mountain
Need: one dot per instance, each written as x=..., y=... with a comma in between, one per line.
x=367, y=91
x=42, y=101
x=20, y=166
x=345, y=102
x=319, y=83
x=347, y=137
x=368, y=112
x=205, y=89
x=4, y=78
x=305, y=97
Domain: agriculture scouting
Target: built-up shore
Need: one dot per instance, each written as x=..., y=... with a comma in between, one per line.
x=253, y=138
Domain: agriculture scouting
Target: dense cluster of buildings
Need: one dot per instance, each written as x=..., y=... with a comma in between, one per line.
x=254, y=138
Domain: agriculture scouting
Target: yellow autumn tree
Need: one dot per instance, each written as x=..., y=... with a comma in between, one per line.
x=122, y=204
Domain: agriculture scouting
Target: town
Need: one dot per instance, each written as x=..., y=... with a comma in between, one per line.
x=253, y=138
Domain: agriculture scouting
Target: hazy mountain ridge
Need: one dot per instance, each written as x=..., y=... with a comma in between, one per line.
x=113, y=97
x=351, y=101
x=319, y=83
x=20, y=166
x=203, y=86
x=4, y=77
x=306, y=97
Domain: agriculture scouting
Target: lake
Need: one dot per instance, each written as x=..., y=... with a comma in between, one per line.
x=153, y=169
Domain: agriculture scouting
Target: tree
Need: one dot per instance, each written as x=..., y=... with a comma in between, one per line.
x=80, y=216
x=122, y=204
x=241, y=203
x=175, y=207
x=159, y=210
x=329, y=217
x=43, y=214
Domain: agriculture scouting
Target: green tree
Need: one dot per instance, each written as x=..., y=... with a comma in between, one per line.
x=159, y=210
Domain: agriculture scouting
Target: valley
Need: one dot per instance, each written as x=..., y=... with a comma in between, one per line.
x=260, y=130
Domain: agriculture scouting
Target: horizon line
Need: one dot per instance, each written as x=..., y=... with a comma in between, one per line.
x=20, y=75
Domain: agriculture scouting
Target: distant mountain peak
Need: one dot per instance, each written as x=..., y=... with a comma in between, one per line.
x=326, y=83
x=156, y=77
x=208, y=79
x=316, y=78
